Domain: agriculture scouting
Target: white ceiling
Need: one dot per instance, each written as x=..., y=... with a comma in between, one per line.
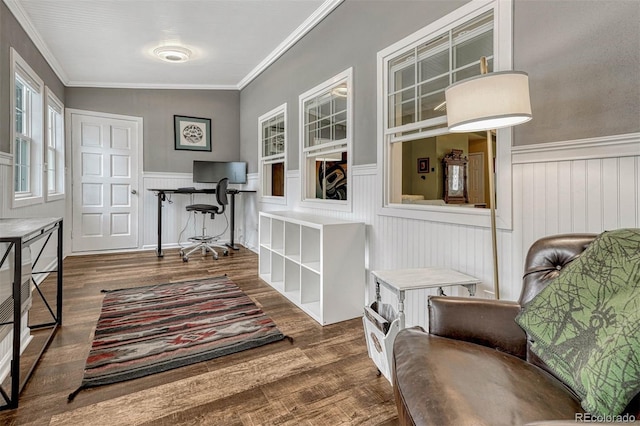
x=108, y=43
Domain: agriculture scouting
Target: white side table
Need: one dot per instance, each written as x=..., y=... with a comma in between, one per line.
x=401, y=280
x=379, y=340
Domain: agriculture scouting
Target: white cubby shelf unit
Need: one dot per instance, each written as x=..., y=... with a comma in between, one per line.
x=316, y=262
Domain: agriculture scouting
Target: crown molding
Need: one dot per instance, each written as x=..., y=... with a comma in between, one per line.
x=24, y=21
x=319, y=14
x=325, y=9
x=151, y=86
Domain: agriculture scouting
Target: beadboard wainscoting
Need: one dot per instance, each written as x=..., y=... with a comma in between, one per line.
x=178, y=224
x=575, y=186
x=588, y=185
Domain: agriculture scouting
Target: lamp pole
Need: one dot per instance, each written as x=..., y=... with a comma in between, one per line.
x=492, y=201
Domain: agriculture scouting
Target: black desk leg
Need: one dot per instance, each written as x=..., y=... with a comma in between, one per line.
x=17, y=323
x=161, y=198
x=232, y=206
x=59, y=277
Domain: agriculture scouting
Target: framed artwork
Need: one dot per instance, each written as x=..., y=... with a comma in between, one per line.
x=423, y=165
x=191, y=133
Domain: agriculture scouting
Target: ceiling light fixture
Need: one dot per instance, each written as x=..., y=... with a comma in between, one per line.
x=172, y=53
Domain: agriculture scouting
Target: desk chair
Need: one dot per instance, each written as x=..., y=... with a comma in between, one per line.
x=204, y=242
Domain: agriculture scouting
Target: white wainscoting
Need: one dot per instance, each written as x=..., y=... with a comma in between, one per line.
x=178, y=224
x=569, y=186
x=574, y=186
x=587, y=185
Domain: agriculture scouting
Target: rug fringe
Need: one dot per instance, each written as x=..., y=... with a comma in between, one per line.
x=73, y=394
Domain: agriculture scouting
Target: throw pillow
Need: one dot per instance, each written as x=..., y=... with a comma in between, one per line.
x=586, y=323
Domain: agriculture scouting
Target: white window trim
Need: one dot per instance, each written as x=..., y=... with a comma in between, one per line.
x=282, y=109
x=341, y=205
x=19, y=64
x=503, y=60
x=59, y=194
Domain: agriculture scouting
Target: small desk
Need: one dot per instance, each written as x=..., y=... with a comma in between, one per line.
x=19, y=234
x=162, y=196
x=401, y=280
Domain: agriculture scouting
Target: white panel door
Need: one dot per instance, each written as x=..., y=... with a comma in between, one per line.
x=105, y=182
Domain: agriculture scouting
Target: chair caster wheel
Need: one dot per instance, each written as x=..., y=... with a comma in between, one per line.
x=226, y=252
x=185, y=259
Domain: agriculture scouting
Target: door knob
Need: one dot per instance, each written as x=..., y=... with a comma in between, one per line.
x=134, y=192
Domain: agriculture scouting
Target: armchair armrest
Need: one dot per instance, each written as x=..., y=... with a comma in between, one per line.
x=486, y=322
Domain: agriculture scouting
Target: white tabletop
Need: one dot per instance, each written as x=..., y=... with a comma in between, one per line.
x=20, y=228
x=419, y=278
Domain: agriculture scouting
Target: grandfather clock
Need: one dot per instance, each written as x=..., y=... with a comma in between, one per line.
x=455, y=177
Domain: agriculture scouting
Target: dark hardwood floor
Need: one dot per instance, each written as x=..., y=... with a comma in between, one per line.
x=324, y=378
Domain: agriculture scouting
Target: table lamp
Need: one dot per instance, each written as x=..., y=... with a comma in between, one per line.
x=484, y=103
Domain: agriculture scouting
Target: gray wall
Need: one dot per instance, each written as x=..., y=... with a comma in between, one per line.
x=157, y=108
x=12, y=35
x=583, y=58
x=350, y=36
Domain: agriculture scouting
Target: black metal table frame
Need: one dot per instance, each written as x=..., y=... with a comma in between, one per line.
x=162, y=196
x=18, y=244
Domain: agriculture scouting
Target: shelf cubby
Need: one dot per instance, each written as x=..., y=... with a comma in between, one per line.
x=265, y=261
x=316, y=262
x=277, y=271
x=277, y=236
x=292, y=240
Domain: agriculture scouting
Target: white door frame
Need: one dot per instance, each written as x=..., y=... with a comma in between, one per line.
x=70, y=202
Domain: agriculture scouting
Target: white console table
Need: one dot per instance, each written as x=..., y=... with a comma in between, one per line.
x=380, y=341
x=316, y=262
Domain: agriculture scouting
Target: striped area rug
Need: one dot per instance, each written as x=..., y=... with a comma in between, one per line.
x=146, y=330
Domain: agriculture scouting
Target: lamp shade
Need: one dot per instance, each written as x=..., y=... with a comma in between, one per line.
x=489, y=101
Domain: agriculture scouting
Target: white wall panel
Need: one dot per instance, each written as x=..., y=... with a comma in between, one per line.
x=178, y=224
x=564, y=187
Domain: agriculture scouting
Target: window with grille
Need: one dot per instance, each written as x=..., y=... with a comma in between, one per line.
x=326, y=129
x=55, y=147
x=413, y=76
x=27, y=130
x=272, y=128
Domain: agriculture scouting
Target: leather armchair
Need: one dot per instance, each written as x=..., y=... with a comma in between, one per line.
x=474, y=366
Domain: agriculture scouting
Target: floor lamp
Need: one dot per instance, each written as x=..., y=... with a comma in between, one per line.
x=483, y=103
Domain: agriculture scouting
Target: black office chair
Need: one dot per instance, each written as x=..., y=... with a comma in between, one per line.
x=204, y=242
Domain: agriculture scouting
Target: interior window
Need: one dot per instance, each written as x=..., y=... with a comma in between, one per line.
x=326, y=142
x=418, y=142
x=423, y=168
